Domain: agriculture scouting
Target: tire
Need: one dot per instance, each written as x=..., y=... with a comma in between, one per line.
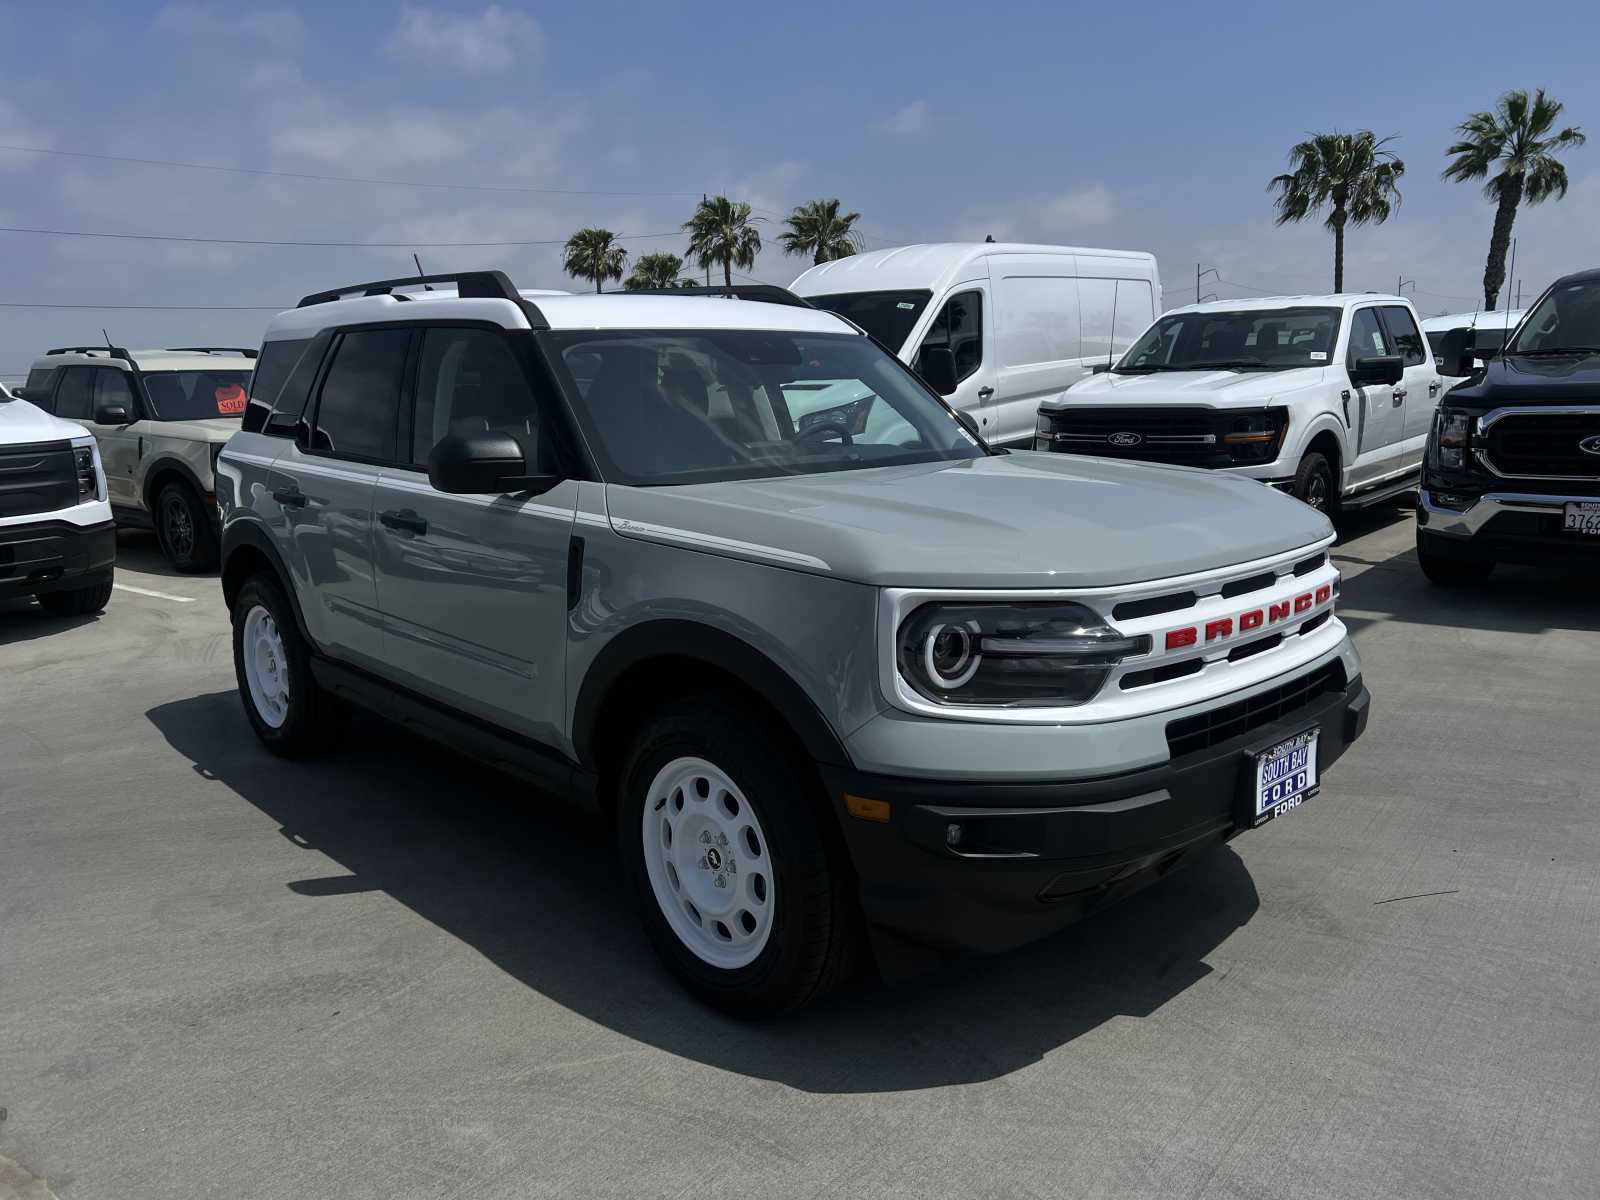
x=80, y=602
x=184, y=529
x=777, y=919
x=272, y=663
x=1450, y=572
x=1314, y=484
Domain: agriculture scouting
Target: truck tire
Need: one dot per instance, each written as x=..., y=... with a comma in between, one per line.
x=184, y=529
x=290, y=713
x=1314, y=484
x=721, y=840
x=1449, y=572
x=79, y=602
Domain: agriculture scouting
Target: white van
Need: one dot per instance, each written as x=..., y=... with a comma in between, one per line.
x=1022, y=322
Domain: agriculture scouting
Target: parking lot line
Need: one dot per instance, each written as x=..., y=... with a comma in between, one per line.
x=139, y=591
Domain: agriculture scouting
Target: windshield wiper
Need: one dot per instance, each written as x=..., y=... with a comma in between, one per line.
x=1146, y=370
x=1555, y=350
x=1231, y=365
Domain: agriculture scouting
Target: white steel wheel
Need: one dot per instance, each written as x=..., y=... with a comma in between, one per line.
x=708, y=862
x=266, y=667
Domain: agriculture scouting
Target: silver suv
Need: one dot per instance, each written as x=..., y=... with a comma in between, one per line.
x=160, y=418
x=724, y=569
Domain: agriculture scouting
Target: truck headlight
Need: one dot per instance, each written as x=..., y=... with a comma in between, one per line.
x=1452, y=433
x=1254, y=435
x=91, y=477
x=1021, y=655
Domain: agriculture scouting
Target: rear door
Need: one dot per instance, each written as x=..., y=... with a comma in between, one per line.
x=119, y=443
x=473, y=589
x=1377, y=413
x=1422, y=383
x=324, y=483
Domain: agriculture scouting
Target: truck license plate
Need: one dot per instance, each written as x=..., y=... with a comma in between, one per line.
x=1286, y=775
x=1582, y=516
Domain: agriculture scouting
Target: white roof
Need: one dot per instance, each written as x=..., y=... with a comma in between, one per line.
x=1272, y=303
x=1472, y=320
x=928, y=267
x=154, y=360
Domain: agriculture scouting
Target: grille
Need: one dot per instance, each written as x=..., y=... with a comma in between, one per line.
x=1535, y=444
x=1186, y=436
x=1234, y=720
x=37, y=478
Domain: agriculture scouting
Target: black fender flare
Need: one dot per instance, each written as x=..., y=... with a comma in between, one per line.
x=246, y=532
x=161, y=466
x=669, y=638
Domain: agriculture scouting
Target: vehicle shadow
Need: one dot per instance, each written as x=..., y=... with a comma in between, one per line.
x=22, y=620
x=138, y=550
x=534, y=888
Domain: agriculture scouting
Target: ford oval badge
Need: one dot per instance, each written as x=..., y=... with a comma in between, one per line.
x=1590, y=445
x=1129, y=438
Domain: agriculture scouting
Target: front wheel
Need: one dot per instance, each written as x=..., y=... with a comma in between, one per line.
x=80, y=602
x=290, y=713
x=184, y=529
x=1449, y=572
x=720, y=832
x=1314, y=484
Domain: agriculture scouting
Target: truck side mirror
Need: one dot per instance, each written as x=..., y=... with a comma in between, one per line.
x=937, y=366
x=1455, y=353
x=1380, y=369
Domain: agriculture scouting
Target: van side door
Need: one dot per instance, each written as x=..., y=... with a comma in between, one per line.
x=1037, y=338
x=961, y=324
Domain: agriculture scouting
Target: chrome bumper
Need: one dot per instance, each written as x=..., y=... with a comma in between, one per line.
x=1467, y=523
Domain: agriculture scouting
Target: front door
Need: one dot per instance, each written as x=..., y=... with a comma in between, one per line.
x=1422, y=383
x=119, y=443
x=1377, y=415
x=960, y=325
x=473, y=589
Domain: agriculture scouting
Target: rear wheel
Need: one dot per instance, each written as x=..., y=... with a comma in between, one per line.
x=1449, y=572
x=720, y=832
x=79, y=602
x=184, y=529
x=1314, y=484
x=272, y=663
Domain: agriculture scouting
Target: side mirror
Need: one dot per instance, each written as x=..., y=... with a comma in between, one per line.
x=1455, y=355
x=1385, y=368
x=969, y=423
x=112, y=414
x=938, y=369
x=483, y=464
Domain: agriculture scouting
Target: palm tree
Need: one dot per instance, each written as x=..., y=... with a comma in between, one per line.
x=655, y=271
x=723, y=231
x=1351, y=173
x=819, y=230
x=1517, y=137
x=594, y=254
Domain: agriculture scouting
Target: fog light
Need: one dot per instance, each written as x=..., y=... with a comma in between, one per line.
x=953, y=835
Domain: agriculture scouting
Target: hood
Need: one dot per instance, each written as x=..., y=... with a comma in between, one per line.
x=206, y=429
x=1569, y=379
x=1213, y=388
x=1014, y=520
x=21, y=423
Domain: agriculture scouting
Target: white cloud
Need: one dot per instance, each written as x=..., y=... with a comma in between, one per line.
x=487, y=44
x=1090, y=205
x=273, y=26
x=910, y=121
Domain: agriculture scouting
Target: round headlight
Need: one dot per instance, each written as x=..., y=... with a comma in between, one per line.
x=950, y=654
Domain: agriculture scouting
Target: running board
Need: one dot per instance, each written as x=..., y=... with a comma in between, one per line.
x=1387, y=491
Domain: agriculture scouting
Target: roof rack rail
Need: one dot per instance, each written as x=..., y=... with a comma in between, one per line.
x=480, y=285
x=770, y=293
x=108, y=351
x=247, y=351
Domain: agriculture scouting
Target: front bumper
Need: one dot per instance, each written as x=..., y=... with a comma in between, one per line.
x=1504, y=527
x=55, y=556
x=1033, y=857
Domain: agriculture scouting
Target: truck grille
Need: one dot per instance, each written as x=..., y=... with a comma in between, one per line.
x=1186, y=436
x=1207, y=729
x=1534, y=444
x=37, y=478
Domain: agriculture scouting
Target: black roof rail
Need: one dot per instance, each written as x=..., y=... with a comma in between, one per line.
x=470, y=285
x=108, y=351
x=770, y=293
x=247, y=351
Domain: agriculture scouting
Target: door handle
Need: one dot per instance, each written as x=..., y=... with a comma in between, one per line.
x=405, y=519
x=1399, y=397
x=985, y=392
x=1433, y=388
x=290, y=497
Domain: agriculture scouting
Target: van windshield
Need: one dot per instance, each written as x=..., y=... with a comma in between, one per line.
x=887, y=316
x=1272, y=339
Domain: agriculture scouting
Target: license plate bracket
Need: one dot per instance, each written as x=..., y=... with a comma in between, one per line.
x=1279, y=776
x=1581, y=517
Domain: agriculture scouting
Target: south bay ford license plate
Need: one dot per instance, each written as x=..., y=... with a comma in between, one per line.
x=1582, y=516
x=1286, y=776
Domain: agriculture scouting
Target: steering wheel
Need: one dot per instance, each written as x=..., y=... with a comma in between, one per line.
x=825, y=429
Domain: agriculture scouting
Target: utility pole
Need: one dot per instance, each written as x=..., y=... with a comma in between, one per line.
x=1401, y=283
x=1200, y=274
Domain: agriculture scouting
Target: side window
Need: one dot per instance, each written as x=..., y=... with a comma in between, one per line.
x=273, y=368
x=1366, y=337
x=360, y=401
x=959, y=326
x=471, y=382
x=74, y=395
x=1405, y=335
x=37, y=390
x=112, y=390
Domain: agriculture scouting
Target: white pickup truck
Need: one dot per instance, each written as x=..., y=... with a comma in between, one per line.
x=1329, y=398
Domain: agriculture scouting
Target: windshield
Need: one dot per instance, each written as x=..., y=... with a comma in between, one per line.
x=1565, y=320
x=699, y=406
x=1276, y=339
x=194, y=395
x=887, y=316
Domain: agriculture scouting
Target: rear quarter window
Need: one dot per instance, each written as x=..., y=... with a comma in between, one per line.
x=281, y=383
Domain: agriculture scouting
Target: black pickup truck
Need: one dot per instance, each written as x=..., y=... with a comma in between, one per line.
x=1512, y=468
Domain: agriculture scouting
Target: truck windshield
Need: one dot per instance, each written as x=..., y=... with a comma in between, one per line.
x=1266, y=339
x=195, y=395
x=1565, y=321
x=887, y=316
x=701, y=406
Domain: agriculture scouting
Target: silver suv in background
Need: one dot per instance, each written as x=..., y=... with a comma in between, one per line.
x=730, y=573
x=160, y=417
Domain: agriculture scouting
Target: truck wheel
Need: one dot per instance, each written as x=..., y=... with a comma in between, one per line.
x=1314, y=484
x=184, y=529
x=1449, y=572
x=289, y=712
x=79, y=602
x=719, y=832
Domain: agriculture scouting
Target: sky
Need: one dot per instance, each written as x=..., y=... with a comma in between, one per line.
x=1154, y=127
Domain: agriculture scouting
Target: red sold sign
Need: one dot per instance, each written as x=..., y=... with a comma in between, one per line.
x=230, y=399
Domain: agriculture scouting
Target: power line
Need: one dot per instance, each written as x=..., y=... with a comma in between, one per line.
x=413, y=183
x=155, y=307
x=219, y=241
